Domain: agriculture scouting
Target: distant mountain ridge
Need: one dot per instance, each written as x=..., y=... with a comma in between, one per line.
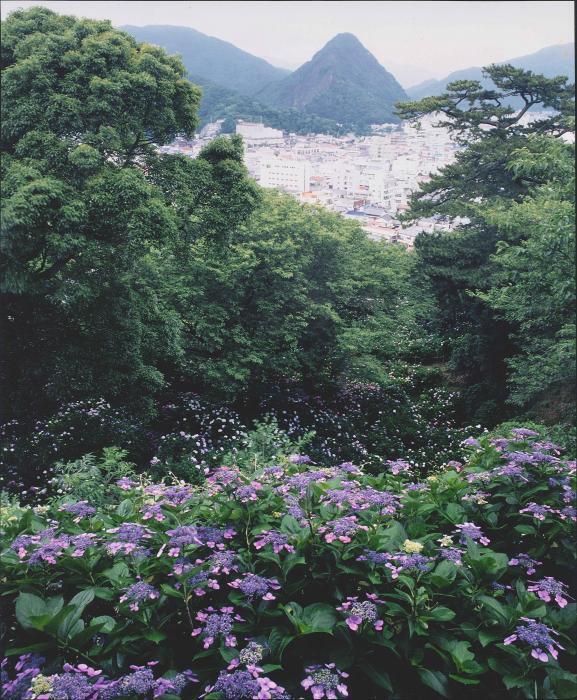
x=343, y=81
x=550, y=62
x=211, y=59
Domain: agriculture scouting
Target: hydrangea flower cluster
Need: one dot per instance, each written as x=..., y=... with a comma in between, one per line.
x=526, y=562
x=48, y=545
x=452, y=554
x=359, y=612
x=341, y=529
x=254, y=586
x=549, y=588
x=138, y=593
x=325, y=681
x=538, y=637
x=82, y=682
x=470, y=531
x=215, y=624
x=240, y=685
x=539, y=512
x=278, y=540
x=80, y=510
x=127, y=539
x=248, y=492
x=399, y=466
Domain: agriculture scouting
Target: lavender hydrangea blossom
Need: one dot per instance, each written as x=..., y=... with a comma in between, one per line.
x=341, y=529
x=278, y=540
x=538, y=637
x=254, y=586
x=246, y=685
x=359, y=612
x=526, y=562
x=325, y=681
x=216, y=624
x=539, y=512
x=127, y=539
x=138, y=593
x=80, y=510
x=549, y=588
x=470, y=531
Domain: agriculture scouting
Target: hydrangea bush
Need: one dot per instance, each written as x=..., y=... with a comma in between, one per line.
x=297, y=580
x=189, y=435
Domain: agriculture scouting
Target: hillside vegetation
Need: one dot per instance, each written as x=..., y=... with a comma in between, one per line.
x=250, y=453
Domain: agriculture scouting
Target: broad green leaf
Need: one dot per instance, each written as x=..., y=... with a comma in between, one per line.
x=435, y=680
x=28, y=606
x=319, y=617
x=379, y=677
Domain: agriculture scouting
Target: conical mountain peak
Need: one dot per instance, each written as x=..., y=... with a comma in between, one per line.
x=343, y=82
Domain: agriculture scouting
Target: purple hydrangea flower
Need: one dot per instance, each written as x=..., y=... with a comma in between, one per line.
x=538, y=637
x=177, y=495
x=417, y=563
x=254, y=586
x=216, y=624
x=214, y=537
x=521, y=457
x=548, y=588
x=153, y=511
x=126, y=484
x=278, y=540
x=71, y=686
x=293, y=508
x=245, y=685
x=524, y=432
x=80, y=543
x=138, y=593
x=525, y=561
x=79, y=510
x=127, y=538
x=27, y=668
x=300, y=459
x=325, y=681
x=512, y=470
x=341, y=529
x=417, y=486
x=398, y=466
x=539, y=512
x=248, y=492
x=300, y=482
x=201, y=579
x=472, y=532
x=181, y=537
x=568, y=513
x=44, y=547
x=453, y=554
x=359, y=612
x=221, y=562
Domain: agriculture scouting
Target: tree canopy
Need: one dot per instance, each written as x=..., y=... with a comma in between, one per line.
x=487, y=177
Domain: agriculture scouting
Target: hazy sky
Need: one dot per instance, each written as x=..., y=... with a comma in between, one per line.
x=432, y=37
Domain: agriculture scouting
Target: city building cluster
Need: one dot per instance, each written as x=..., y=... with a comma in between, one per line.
x=366, y=178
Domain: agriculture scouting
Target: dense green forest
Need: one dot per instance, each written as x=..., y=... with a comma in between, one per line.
x=186, y=357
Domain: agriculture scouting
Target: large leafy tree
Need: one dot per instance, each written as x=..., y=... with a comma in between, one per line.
x=459, y=264
x=534, y=282
x=89, y=213
x=296, y=293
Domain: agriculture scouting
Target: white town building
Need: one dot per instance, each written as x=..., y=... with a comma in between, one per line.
x=285, y=174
